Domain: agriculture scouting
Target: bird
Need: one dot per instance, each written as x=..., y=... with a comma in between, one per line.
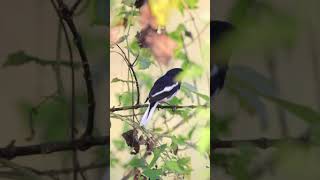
x=219, y=62
x=163, y=90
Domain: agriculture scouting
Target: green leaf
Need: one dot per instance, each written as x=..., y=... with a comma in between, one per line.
x=113, y=161
x=179, y=140
x=128, y=2
x=153, y=174
x=145, y=80
x=301, y=111
x=126, y=98
x=120, y=145
x=144, y=59
x=181, y=166
x=238, y=73
x=136, y=163
x=114, y=80
x=190, y=133
x=156, y=154
x=175, y=101
x=187, y=88
x=52, y=116
x=144, y=63
x=221, y=125
x=204, y=142
x=177, y=36
x=191, y=71
x=16, y=59
x=191, y=4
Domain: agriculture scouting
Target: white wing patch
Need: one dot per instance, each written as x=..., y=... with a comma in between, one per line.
x=166, y=89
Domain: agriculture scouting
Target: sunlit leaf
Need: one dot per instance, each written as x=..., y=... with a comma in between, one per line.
x=181, y=166
x=136, y=163
x=153, y=173
x=161, y=10
x=156, y=154
x=204, y=140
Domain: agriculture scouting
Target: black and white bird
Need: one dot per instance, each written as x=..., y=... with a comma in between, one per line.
x=164, y=89
x=219, y=62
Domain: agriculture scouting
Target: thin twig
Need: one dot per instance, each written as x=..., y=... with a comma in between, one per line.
x=57, y=68
x=74, y=6
x=138, y=106
x=130, y=66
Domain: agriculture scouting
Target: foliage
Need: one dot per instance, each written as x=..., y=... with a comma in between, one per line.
x=48, y=118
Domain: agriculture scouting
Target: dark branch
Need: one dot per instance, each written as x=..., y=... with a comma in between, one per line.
x=114, y=109
x=130, y=66
x=54, y=172
x=66, y=14
x=11, y=152
x=263, y=143
x=75, y=5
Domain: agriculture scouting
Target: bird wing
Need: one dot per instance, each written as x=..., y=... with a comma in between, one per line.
x=160, y=85
x=166, y=94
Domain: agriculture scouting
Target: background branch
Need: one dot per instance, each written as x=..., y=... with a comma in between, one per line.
x=263, y=143
x=67, y=15
x=82, y=144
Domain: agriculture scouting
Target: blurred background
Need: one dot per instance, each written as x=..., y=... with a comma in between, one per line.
x=30, y=37
x=272, y=90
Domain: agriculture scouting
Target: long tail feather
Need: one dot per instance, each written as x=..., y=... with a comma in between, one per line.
x=148, y=114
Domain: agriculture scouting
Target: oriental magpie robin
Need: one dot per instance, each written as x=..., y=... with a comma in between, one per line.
x=219, y=62
x=164, y=89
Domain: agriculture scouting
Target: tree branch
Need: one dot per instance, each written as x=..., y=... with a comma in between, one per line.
x=12, y=151
x=130, y=66
x=67, y=15
x=138, y=106
x=55, y=172
x=263, y=143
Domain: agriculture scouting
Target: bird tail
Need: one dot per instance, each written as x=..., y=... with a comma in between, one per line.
x=148, y=114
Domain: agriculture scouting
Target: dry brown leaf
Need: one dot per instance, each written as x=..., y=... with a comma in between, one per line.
x=146, y=17
x=115, y=34
x=162, y=47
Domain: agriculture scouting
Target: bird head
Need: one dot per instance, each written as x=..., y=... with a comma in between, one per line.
x=220, y=31
x=174, y=72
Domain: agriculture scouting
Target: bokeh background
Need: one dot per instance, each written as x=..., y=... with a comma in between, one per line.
x=32, y=27
x=278, y=40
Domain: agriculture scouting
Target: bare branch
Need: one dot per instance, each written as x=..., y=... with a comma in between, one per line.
x=56, y=172
x=81, y=144
x=263, y=143
x=138, y=106
x=65, y=14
